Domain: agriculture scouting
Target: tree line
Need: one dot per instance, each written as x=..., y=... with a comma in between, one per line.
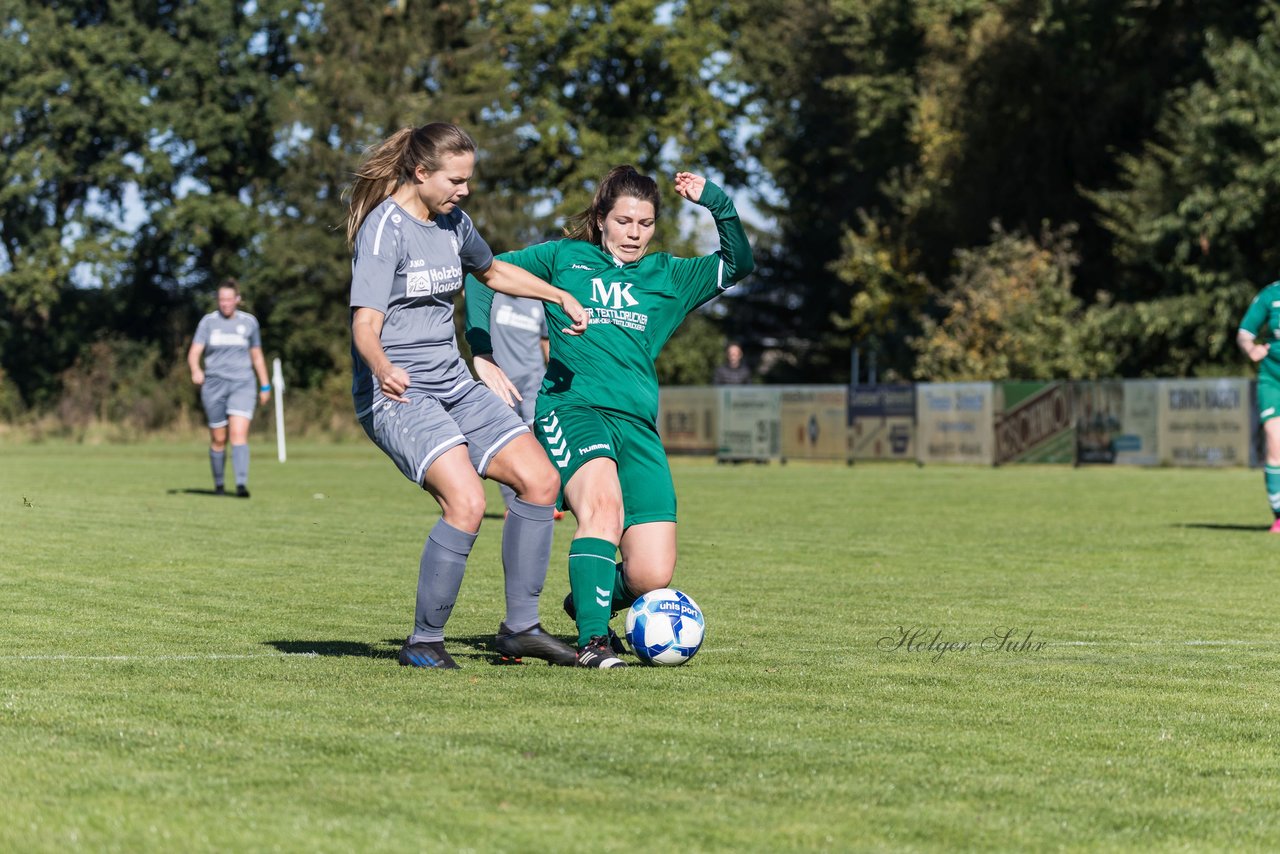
x=967, y=188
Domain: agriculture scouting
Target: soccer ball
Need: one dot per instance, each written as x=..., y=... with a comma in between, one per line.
x=665, y=627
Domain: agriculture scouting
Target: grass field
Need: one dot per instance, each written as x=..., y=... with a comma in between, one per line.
x=188, y=673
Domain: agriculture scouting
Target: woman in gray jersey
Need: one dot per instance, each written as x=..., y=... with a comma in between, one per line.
x=231, y=343
x=518, y=329
x=412, y=245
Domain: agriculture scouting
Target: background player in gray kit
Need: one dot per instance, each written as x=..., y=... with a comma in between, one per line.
x=412, y=245
x=231, y=343
x=518, y=329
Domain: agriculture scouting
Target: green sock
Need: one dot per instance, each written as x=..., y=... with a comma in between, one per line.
x=591, y=572
x=622, y=595
x=1272, y=476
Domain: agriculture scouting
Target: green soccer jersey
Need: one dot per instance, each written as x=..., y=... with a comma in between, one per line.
x=1264, y=311
x=634, y=309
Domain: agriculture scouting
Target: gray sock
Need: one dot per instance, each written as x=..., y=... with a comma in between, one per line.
x=508, y=494
x=526, y=549
x=240, y=464
x=218, y=462
x=444, y=559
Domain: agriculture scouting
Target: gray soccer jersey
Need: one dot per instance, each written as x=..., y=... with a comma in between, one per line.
x=409, y=270
x=517, y=326
x=227, y=341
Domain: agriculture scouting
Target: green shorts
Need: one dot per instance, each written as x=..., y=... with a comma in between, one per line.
x=573, y=435
x=1268, y=401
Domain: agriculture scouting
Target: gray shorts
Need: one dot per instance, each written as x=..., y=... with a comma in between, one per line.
x=222, y=397
x=414, y=434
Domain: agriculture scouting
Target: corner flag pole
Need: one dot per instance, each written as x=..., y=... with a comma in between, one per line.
x=277, y=381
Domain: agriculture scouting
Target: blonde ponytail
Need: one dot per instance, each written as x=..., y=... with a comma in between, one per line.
x=393, y=163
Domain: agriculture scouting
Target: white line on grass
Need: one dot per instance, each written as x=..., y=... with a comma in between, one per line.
x=217, y=656
x=212, y=656
x=202, y=657
x=1166, y=643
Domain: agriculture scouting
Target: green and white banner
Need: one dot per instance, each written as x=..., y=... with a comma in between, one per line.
x=1034, y=423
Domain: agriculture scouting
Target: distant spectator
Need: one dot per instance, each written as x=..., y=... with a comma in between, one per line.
x=734, y=371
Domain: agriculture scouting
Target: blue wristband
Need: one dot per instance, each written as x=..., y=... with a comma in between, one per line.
x=264, y=388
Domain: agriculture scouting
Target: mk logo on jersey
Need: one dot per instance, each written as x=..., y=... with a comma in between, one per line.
x=613, y=295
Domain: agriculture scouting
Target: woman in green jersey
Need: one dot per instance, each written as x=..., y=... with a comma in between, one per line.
x=598, y=407
x=1264, y=312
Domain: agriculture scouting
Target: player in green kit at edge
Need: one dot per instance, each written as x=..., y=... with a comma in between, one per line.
x=1265, y=311
x=598, y=407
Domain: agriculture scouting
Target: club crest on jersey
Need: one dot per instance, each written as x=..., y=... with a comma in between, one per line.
x=613, y=295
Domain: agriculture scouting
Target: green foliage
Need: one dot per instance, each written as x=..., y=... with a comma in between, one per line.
x=1022, y=105
x=897, y=130
x=172, y=107
x=11, y=406
x=1172, y=336
x=691, y=356
x=550, y=117
x=1195, y=217
x=1010, y=314
x=71, y=110
x=830, y=92
x=147, y=151
x=597, y=84
x=885, y=291
x=234, y=128
x=126, y=386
